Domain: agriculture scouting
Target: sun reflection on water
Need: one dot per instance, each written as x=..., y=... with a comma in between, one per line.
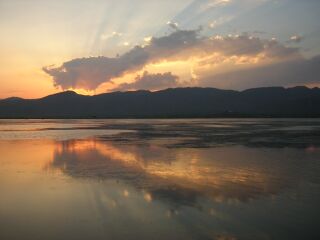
x=209, y=173
x=113, y=187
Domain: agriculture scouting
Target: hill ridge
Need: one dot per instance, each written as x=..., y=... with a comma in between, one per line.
x=297, y=101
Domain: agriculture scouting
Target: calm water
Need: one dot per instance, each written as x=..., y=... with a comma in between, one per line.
x=160, y=179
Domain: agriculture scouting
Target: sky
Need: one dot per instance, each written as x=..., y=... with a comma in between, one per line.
x=97, y=46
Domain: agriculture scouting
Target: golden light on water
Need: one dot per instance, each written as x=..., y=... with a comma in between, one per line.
x=189, y=168
x=122, y=182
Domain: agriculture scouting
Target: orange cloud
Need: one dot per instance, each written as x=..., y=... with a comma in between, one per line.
x=180, y=45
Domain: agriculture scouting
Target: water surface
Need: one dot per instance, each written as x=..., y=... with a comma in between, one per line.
x=160, y=179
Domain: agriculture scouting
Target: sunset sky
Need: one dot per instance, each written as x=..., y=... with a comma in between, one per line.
x=96, y=46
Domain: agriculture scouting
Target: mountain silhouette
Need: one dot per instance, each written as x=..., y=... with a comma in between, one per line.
x=170, y=103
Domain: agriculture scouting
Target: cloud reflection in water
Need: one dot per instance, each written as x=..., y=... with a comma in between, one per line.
x=181, y=175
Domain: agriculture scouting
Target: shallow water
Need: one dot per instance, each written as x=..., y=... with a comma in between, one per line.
x=160, y=179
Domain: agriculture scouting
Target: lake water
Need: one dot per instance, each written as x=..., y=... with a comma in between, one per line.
x=160, y=179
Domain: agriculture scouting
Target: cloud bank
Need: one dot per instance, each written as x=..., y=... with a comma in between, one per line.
x=180, y=45
x=149, y=81
x=290, y=73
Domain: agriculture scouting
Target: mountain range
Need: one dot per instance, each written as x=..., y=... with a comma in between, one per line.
x=170, y=103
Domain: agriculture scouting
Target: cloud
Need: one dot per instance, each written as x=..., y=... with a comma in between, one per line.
x=126, y=43
x=173, y=25
x=219, y=2
x=295, y=39
x=215, y=3
x=241, y=45
x=219, y=21
x=150, y=81
x=290, y=73
x=147, y=39
x=112, y=35
x=89, y=73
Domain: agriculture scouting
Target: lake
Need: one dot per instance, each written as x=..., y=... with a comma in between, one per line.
x=221, y=179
